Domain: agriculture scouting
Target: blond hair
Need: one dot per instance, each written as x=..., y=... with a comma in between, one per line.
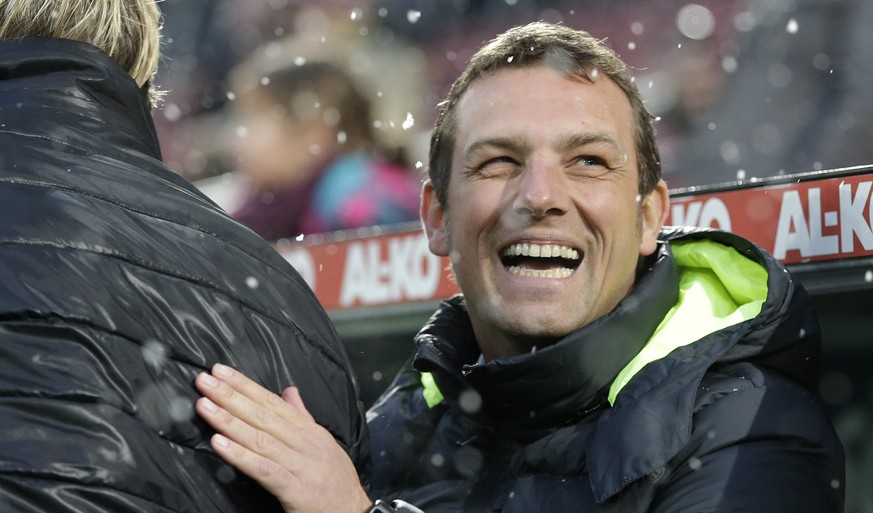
x=126, y=30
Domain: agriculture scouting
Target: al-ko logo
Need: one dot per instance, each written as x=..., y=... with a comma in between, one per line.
x=796, y=222
x=387, y=269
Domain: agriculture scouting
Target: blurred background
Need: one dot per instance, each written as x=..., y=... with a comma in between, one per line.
x=743, y=89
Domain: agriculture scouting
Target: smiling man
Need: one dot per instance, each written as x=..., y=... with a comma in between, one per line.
x=542, y=217
x=596, y=360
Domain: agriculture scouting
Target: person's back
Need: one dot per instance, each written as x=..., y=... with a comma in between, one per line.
x=119, y=282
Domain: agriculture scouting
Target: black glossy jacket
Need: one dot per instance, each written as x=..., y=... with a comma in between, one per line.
x=119, y=282
x=728, y=422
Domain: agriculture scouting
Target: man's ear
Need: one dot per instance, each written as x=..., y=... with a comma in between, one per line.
x=433, y=218
x=654, y=209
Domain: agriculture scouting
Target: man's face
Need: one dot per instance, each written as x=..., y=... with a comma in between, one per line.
x=544, y=225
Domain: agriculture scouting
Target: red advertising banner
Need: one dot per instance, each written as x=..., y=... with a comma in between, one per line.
x=798, y=222
x=821, y=218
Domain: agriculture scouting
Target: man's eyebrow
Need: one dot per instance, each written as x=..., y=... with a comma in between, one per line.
x=520, y=145
x=513, y=144
x=574, y=140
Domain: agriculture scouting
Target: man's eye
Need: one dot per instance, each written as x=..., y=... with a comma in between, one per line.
x=498, y=166
x=589, y=166
x=498, y=161
x=591, y=160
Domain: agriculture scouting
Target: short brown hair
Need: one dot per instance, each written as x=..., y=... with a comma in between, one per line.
x=574, y=51
x=129, y=31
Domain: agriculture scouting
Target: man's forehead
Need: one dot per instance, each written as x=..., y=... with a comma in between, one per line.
x=581, y=74
x=514, y=95
x=503, y=77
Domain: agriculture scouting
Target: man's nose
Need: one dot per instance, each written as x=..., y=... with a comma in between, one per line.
x=541, y=190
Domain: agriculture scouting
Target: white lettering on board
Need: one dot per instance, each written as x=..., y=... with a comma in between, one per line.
x=800, y=230
x=409, y=271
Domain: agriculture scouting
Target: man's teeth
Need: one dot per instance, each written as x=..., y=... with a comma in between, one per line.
x=561, y=272
x=541, y=250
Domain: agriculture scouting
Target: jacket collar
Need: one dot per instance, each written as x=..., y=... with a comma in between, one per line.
x=81, y=91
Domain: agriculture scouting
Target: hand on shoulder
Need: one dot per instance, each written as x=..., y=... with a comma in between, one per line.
x=275, y=440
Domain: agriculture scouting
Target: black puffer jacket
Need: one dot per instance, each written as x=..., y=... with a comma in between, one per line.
x=694, y=395
x=119, y=282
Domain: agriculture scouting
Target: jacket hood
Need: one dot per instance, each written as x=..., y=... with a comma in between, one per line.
x=781, y=328
x=760, y=315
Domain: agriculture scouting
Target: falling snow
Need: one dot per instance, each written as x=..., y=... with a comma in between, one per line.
x=409, y=122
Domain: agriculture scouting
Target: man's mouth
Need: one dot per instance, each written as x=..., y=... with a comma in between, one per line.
x=540, y=260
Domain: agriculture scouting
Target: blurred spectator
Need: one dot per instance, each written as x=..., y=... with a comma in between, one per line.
x=207, y=39
x=308, y=154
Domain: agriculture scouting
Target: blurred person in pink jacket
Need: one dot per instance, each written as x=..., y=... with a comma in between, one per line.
x=308, y=150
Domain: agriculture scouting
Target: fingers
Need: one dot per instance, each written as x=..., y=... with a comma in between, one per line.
x=253, y=450
x=248, y=401
x=250, y=415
